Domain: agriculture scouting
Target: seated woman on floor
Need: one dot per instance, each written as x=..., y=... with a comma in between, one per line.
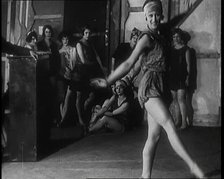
x=115, y=112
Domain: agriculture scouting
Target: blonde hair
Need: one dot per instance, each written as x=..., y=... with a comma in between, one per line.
x=153, y=5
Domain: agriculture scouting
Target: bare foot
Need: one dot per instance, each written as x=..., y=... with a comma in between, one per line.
x=195, y=170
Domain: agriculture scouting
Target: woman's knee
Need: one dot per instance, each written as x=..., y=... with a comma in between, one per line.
x=154, y=137
x=169, y=125
x=181, y=96
x=103, y=119
x=174, y=95
x=181, y=100
x=78, y=101
x=166, y=121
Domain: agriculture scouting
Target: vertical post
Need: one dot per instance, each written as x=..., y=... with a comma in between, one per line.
x=27, y=13
x=107, y=38
x=9, y=21
x=20, y=19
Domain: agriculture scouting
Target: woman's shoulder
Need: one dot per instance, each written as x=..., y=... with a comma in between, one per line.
x=28, y=46
x=185, y=49
x=148, y=33
x=79, y=43
x=146, y=37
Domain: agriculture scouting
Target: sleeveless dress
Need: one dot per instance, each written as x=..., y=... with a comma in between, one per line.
x=123, y=117
x=84, y=72
x=178, y=68
x=153, y=67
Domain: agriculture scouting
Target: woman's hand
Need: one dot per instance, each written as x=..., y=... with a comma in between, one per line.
x=98, y=83
x=34, y=54
x=109, y=114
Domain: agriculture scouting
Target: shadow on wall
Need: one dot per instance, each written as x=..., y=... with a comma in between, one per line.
x=206, y=99
x=201, y=41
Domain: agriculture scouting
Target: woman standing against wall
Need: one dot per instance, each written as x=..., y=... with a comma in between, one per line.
x=179, y=75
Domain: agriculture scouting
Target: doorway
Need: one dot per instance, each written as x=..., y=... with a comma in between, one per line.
x=78, y=13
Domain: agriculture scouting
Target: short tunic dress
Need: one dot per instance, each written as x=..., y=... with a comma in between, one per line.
x=84, y=72
x=178, y=68
x=124, y=116
x=153, y=67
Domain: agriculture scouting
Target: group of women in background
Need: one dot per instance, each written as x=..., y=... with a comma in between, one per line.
x=63, y=63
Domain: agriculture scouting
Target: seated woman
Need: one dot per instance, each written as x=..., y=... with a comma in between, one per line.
x=114, y=113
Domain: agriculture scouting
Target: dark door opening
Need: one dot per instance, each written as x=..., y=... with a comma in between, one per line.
x=78, y=13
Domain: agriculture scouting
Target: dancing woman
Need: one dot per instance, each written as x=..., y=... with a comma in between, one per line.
x=152, y=89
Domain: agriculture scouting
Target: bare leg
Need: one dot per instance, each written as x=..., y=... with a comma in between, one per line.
x=176, y=109
x=160, y=113
x=181, y=97
x=98, y=125
x=154, y=130
x=109, y=122
x=64, y=106
x=190, y=110
x=89, y=101
x=80, y=107
x=93, y=116
x=114, y=124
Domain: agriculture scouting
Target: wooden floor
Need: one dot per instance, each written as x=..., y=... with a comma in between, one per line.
x=120, y=156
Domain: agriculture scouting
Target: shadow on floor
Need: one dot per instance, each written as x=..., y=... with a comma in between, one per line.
x=60, y=138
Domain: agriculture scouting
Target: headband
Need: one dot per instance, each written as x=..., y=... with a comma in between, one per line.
x=155, y=6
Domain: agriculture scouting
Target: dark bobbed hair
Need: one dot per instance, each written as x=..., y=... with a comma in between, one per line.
x=83, y=28
x=135, y=32
x=47, y=27
x=128, y=91
x=62, y=35
x=29, y=36
x=185, y=36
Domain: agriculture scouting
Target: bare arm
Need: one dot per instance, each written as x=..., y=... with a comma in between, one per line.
x=119, y=110
x=126, y=66
x=188, y=61
x=112, y=64
x=80, y=53
x=135, y=70
x=105, y=107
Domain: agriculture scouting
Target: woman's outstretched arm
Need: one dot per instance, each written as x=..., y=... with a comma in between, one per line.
x=126, y=66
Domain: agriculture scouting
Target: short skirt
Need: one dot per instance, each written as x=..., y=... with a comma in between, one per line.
x=151, y=86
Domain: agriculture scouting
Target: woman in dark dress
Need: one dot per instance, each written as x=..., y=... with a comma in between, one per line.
x=152, y=89
x=87, y=66
x=48, y=67
x=179, y=74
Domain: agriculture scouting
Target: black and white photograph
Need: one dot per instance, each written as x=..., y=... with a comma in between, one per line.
x=111, y=89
